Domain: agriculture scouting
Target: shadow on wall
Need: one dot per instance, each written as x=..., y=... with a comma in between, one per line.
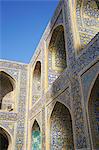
x=5, y=140
x=56, y=54
x=7, y=92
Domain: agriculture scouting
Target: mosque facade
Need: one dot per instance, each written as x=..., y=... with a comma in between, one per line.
x=52, y=103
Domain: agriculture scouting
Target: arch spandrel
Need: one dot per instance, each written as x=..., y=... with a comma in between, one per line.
x=63, y=98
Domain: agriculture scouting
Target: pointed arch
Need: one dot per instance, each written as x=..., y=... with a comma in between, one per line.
x=5, y=139
x=93, y=113
x=7, y=87
x=36, y=86
x=37, y=71
x=56, y=53
x=61, y=132
x=53, y=105
x=36, y=136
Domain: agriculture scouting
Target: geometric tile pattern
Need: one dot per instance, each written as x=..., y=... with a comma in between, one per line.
x=18, y=122
x=88, y=20
x=61, y=128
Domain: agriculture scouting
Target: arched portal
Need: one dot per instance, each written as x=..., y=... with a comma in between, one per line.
x=93, y=110
x=5, y=140
x=61, y=137
x=7, y=86
x=36, y=87
x=36, y=137
x=56, y=54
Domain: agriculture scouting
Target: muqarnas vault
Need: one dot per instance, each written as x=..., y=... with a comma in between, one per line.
x=52, y=103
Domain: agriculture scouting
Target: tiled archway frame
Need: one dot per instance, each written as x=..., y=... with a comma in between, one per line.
x=87, y=79
x=36, y=115
x=12, y=75
x=38, y=120
x=81, y=141
x=63, y=98
x=19, y=72
x=8, y=119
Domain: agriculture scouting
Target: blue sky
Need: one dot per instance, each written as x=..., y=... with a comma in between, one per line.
x=22, y=23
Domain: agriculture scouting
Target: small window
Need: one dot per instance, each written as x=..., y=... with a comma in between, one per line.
x=36, y=86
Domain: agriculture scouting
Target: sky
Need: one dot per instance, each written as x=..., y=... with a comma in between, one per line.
x=22, y=23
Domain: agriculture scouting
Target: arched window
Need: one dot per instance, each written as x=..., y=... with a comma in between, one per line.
x=5, y=140
x=87, y=13
x=93, y=109
x=61, y=128
x=36, y=137
x=97, y=2
x=37, y=71
x=7, y=86
x=57, y=53
x=36, y=86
